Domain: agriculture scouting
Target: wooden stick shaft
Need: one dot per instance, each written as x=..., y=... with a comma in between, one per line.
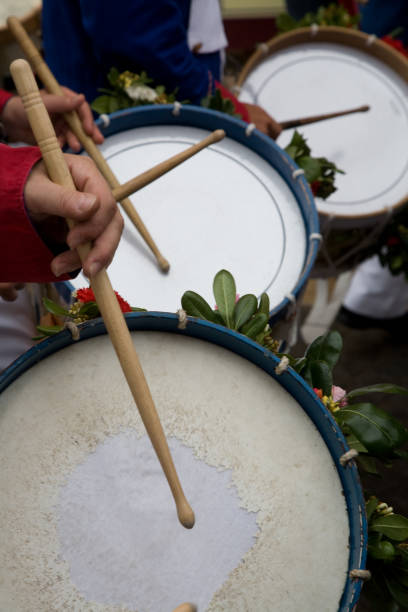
x=105, y=297
x=51, y=84
x=154, y=173
x=291, y=123
x=186, y=607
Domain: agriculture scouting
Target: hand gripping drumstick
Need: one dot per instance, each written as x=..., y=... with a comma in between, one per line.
x=51, y=84
x=108, y=305
x=154, y=173
x=291, y=123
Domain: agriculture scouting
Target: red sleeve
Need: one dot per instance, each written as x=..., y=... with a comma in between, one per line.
x=4, y=96
x=24, y=257
x=239, y=106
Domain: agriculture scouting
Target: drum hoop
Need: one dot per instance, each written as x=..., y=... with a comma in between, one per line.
x=267, y=361
x=265, y=147
x=31, y=22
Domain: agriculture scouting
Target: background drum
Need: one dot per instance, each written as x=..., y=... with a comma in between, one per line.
x=29, y=12
x=88, y=523
x=323, y=69
x=235, y=205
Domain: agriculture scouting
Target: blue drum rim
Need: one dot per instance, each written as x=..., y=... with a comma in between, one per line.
x=267, y=361
x=265, y=147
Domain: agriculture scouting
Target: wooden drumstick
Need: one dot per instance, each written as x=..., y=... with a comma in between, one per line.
x=186, y=607
x=292, y=123
x=108, y=305
x=51, y=84
x=126, y=189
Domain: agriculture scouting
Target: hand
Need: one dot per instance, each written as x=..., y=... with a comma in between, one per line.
x=264, y=122
x=92, y=208
x=18, y=129
x=8, y=291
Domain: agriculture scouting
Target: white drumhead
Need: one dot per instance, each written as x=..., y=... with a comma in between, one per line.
x=224, y=208
x=317, y=78
x=81, y=518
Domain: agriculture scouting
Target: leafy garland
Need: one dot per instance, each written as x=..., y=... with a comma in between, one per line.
x=332, y=15
x=319, y=172
x=376, y=435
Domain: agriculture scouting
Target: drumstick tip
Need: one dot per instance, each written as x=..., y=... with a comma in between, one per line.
x=218, y=135
x=163, y=263
x=185, y=514
x=186, y=607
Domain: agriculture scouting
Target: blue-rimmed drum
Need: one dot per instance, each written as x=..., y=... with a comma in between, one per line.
x=87, y=521
x=236, y=205
x=319, y=70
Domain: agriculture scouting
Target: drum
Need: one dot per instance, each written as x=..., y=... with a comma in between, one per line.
x=319, y=70
x=29, y=12
x=87, y=519
x=238, y=205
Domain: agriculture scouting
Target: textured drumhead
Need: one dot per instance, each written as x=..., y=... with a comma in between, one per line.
x=84, y=516
x=226, y=207
x=312, y=79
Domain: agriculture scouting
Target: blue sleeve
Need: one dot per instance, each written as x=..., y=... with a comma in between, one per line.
x=381, y=17
x=149, y=35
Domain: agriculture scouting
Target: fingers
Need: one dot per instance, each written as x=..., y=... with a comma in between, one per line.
x=71, y=101
x=9, y=291
x=274, y=128
x=92, y=208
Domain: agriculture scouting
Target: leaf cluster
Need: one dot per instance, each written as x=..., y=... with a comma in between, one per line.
x=332, y=15
x=246, y=315
x=218, y=103
x=392, y=245
x=116, y=98
x=319, y=171
x=387, y=558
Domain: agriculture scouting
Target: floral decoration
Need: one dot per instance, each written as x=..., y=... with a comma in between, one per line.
x=332, y=15
x=319, y=172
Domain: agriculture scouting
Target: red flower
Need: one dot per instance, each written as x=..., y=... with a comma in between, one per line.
x=393, y=240
x=318, y=392
x=87, y=295
x=396, y=44
x=315, y=186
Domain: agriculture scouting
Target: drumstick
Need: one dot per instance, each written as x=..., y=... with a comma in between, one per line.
x=51, y=84
x=186, y=607
x=108, y=305
x=154, y=173
x=315, y=118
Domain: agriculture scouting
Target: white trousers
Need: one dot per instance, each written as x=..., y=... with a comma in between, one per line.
x=374, y=292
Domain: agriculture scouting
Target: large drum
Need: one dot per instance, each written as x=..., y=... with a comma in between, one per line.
x=238, y=205
x=319, y=70
x=87, y=521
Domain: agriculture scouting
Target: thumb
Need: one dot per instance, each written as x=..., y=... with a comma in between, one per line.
x=44, y=198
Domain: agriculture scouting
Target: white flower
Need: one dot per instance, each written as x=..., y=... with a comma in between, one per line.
x=141, y=92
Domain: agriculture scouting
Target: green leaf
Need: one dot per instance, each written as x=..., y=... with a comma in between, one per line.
x=89, y=309
x=264, y=305
x=382, y=550
x=225, y=294
x=378, y=431
x=367, y=464
x=101, y=104
x=371, y=505
x=49, y=331
x=399, y=593
x=380, y=388
x=54, y=308
x=245, y=308
x=326, y=348
x=196, y=306
x=321, y=376
x=311, y=166
x=255, y=325
x=401, y=575
x=394, y=526
x=137, y=309
x=354, y=442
